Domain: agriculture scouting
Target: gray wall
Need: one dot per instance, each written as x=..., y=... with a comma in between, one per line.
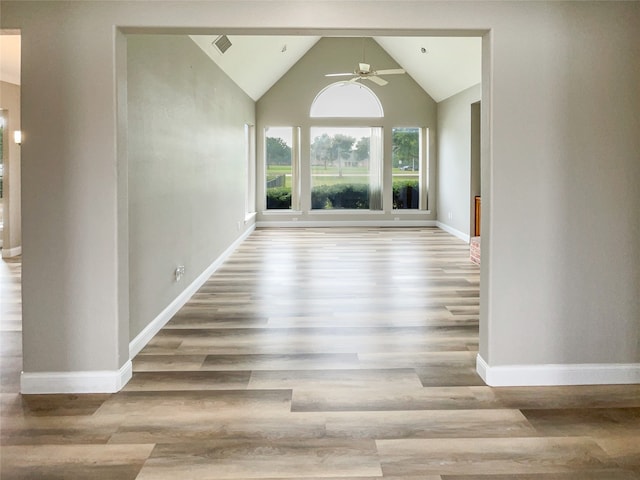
x=186, y=167
x=454, y=159
x=288, y=102
x=564, y=228
x=476, y=162
x=560, y=273
x=12, y=231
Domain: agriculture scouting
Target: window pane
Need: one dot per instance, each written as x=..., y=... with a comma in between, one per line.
x=250, y=168
x=406, y=168
x=346, y=99
x=340, y=168
x=278, y=143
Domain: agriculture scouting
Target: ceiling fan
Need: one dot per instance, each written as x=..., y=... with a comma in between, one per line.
x=364, y=71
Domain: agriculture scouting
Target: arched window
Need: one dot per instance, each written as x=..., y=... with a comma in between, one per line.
x=346, y=99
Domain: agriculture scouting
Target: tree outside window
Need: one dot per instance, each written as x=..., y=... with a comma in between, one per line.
x=340, y=173
x=278, y=142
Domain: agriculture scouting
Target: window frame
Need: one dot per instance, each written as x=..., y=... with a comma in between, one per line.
x=340, y=123
x=250, y=170
x=295, y=168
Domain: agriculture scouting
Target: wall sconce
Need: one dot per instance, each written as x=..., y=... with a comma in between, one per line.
x=17, y=136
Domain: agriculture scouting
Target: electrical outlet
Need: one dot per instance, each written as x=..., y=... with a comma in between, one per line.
x=179, y=272
x=239, y=225
x=450, y=215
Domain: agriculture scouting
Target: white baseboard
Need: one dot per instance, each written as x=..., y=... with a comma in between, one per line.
x=102, y=381
x=558, y=374
x=139, y=342
x=345, y=223
x=11, y=252
x=453, y=231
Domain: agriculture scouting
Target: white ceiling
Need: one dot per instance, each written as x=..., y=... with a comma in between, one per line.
x=449, y=65
x=10, y=58
x=255, y=63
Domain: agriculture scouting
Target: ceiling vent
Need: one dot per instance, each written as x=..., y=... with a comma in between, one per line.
x=222, y=43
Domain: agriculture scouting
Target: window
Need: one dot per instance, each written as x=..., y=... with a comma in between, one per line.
x=407, y=167
x=1, y=160
x=346, y=99
x=250, y=169
x=279, y=167
x=346, y=168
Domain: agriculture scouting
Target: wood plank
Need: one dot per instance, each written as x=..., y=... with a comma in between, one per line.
x=342, y=353
x=466, y=456
x=113, y=462
x=250, y=459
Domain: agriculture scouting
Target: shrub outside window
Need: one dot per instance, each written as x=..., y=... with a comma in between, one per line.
x=278, y=167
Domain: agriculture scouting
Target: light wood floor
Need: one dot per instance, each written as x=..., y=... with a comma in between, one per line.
x=318, y=353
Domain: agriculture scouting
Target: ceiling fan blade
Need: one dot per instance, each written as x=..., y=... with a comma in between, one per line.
x=390, y=71
x=339, y=74
x=377, y=80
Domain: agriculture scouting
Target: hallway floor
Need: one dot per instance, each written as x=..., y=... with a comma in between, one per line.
x=318, y=353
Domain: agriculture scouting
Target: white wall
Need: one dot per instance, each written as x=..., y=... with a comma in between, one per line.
x=186, y=164
x=560, y=274
x=454, y=160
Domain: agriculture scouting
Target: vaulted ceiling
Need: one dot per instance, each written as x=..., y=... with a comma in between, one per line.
x=442, y=66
